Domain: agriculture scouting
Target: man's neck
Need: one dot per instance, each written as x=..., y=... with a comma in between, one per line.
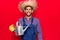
x=28, y=17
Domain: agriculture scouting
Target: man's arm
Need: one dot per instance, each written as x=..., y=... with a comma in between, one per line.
x=39, y=31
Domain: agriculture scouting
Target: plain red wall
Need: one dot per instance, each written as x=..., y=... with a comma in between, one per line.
x=47, y=12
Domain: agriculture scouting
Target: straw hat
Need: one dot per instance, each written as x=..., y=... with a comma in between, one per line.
x=23, y=4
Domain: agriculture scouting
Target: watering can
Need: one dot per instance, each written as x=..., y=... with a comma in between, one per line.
x=19, y=29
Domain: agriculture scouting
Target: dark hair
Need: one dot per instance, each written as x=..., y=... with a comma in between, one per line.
x=28, y=6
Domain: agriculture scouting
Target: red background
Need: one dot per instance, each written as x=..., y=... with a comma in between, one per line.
x=47, y=12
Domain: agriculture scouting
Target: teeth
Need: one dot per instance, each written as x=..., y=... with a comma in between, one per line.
x=28, y=13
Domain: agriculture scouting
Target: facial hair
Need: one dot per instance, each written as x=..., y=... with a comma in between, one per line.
x=28, y=14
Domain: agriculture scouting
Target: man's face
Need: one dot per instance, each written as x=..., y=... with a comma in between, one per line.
x=28, y=11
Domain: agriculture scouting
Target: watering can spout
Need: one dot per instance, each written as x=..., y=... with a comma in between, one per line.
x=25, y=28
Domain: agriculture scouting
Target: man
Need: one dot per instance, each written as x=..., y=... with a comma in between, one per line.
x=28, y=8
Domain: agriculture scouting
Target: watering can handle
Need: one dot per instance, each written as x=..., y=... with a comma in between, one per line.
x=17, y=23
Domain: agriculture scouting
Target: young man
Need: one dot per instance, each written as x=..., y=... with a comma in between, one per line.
x=28, y=8
x=34, y=26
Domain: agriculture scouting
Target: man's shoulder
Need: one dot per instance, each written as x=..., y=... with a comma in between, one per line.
x=36, y=19
x=20, y=19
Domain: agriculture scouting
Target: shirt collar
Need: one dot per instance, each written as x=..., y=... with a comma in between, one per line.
x=26, y=18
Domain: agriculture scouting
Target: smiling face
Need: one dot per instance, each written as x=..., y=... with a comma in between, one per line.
x=28, y=10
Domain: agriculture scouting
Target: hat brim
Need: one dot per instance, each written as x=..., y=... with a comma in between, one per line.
x=22, y=5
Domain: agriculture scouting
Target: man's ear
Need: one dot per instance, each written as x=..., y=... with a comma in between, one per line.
x=24, y=11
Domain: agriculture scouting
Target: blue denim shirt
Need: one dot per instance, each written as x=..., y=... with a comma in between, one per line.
x=36, y=23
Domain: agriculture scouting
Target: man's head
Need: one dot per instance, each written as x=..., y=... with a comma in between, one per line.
x=27, y=6
x=28, y=10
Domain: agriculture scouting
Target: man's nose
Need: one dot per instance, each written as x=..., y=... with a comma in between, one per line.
x=28, y=10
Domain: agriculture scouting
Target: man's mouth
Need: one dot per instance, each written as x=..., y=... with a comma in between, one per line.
x=28, y=14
